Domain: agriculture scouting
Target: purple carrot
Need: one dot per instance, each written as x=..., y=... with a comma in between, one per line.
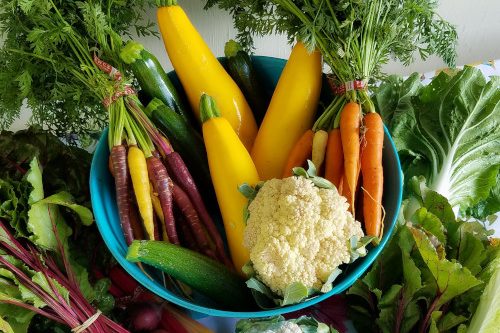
x=120, y=171
x=183, y=178
x=187, y=236
x=183, y=202
x=162, y=185
x=135, y=221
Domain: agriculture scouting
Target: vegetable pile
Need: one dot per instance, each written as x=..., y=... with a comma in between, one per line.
x=40, y=270
x=46, y=234
x=439, y=267
x=295, y=179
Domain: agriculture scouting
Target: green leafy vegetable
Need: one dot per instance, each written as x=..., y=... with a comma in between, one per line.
x=438, y=266
x=448, y=133
x=47, y=221
x=487, y=315
x=355, y=37
x=35, y=66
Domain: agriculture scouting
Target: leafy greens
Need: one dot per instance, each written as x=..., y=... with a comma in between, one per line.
x=36, y=211
x=35, y=66
x=439, y=267
x=448, y=133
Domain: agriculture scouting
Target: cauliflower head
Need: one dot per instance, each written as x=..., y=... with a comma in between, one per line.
x=297, y=232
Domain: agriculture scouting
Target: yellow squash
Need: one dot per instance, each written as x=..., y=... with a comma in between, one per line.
x=200, y=72
x=230, y=166
x=290, y=112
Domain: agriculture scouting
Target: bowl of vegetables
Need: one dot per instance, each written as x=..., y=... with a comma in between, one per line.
x=212, y=299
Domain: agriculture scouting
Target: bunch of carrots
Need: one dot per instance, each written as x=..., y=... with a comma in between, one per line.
x=348, y=153
x=156, y=195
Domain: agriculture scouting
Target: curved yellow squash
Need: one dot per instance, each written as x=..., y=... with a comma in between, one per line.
x=200, y=72
x=290, y=112
x=230, y=166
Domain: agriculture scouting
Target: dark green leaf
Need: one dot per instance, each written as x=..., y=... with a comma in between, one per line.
x=451, y=278
x=450, y=320
x=430, y=222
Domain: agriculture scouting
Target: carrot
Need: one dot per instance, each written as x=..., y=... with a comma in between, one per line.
x=319, y=148
x=187, y=237
x=183, y=178
x=156, y=224
x=345, y=190
x=140, y=182
x=135, y=221
x=349, y=132
x=120, y=171
x=162, y=185
x=373, y=175
x=301, y=151
x=334, y=159
x=182, y=201
x=110, y=166
x=159, y=214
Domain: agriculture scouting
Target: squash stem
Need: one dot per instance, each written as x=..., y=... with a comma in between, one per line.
x=208, y=108
x=166, y=3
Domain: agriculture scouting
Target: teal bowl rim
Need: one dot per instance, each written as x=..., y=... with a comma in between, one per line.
x=118, y=248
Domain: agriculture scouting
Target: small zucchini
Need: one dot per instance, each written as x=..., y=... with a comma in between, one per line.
x=197, y=271
x=152, y=78
x=239, y=66
x=184, y=139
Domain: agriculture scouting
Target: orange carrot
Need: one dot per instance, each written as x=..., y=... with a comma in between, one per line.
x=373, y=175
x=349, y=132
x=300, y=153
x=334, y=163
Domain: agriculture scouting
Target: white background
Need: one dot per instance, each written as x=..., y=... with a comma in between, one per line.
x=477, y=22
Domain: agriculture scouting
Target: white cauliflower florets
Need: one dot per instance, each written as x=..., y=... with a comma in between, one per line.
x=298, y=232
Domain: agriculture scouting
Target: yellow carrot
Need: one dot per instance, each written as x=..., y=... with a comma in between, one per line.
x=319, y=148
x=140, y=182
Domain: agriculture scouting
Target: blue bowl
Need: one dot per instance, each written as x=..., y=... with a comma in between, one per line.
x=106, y=216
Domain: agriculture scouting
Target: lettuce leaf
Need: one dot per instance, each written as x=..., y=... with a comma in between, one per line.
x=447, y=132
x=487, y=316
x=431, y=274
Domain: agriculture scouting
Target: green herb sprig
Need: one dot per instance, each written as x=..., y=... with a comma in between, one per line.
x=355, y=37
x=38, y=67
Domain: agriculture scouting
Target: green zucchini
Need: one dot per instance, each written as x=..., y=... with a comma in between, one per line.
x=152, y=78
x=239, y=66
x=184, y=139
x=197, y=271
